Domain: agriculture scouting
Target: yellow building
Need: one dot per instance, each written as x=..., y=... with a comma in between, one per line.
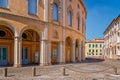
x=42, y=31
x=93, y=48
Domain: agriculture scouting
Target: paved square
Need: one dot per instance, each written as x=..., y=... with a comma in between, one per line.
x=88, y=70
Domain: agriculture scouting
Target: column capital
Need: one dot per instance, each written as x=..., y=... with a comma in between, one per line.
x=73, y=42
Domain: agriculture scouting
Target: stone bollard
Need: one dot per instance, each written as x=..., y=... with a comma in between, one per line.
x=5, y=72
x=34, y=71
x=64, y=71
x=115, y=70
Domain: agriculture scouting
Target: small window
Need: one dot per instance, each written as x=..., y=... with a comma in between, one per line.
x=32, y=7
x=55, y=12
x=70, y=0
x=93, y=45
x=93, y=50
x=100, y=45
x=96, y=50
x=78, y=6
x=89, y=50
x=4, y=3
x=70, y=18
x=96, y=53
x=2, y=33
x=89, y=45
x=24, y=36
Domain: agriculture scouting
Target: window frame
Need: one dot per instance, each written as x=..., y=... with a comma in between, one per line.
x=57, y=19
x=70, y=19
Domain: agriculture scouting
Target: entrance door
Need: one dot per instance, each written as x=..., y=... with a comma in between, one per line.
x=24, y=55
x=55, y=53
x=3, y=56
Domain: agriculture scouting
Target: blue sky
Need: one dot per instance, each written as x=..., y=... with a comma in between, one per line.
x=100, y=14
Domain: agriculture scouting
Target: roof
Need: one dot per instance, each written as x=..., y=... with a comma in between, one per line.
x=113, y=21
x=96, y=40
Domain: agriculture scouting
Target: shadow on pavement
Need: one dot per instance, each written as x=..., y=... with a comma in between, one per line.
x=93, y=60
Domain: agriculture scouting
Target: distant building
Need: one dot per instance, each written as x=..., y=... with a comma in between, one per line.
x=93, y=48
x=112, y=39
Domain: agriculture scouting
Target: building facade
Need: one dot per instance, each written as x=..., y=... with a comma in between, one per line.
x=42, y=31
x=112, y=40
x=94, y=48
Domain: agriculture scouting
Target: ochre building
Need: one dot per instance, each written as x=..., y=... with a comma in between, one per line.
x=94, y=48
x=42, y=32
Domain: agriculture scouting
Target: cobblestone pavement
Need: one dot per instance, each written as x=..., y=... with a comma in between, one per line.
x=91, y=69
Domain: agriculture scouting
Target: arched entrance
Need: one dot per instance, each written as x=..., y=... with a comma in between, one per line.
x=30, y=47
x=76, y=50
x=68, y=49
x=6, y=45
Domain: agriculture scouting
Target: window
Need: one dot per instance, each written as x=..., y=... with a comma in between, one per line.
x=78, y=23
x=55, y=11
x=93, y=50
x=89, y=50
x=100, y=51
x=70, y=18
x=100, y=45
x=78, y=6
x=96, y=50
x=4, y=3
x=2, y=33
x=70, y=0
x=93, y=45
x=89, y=45
x=32, y=7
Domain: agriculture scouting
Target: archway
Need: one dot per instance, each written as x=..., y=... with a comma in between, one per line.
x=6, y=45
x=30, y=47
x=68, y=48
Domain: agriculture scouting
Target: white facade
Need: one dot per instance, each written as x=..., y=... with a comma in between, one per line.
x=112, y=40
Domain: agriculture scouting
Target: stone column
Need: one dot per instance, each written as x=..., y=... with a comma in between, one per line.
x=16, y=51
x=20, y=52
x=83, y=53
x=110, y=52
x=49, y=53
x=62, y=52
x=73, y=51
x=43, y=53
x=79, y=53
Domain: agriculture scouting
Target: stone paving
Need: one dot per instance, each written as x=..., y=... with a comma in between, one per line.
x=89, y=70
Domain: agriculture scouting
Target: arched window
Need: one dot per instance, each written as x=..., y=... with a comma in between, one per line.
x=55, y=11
x=32, y=7
x=4, y=3
x=70, y=18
